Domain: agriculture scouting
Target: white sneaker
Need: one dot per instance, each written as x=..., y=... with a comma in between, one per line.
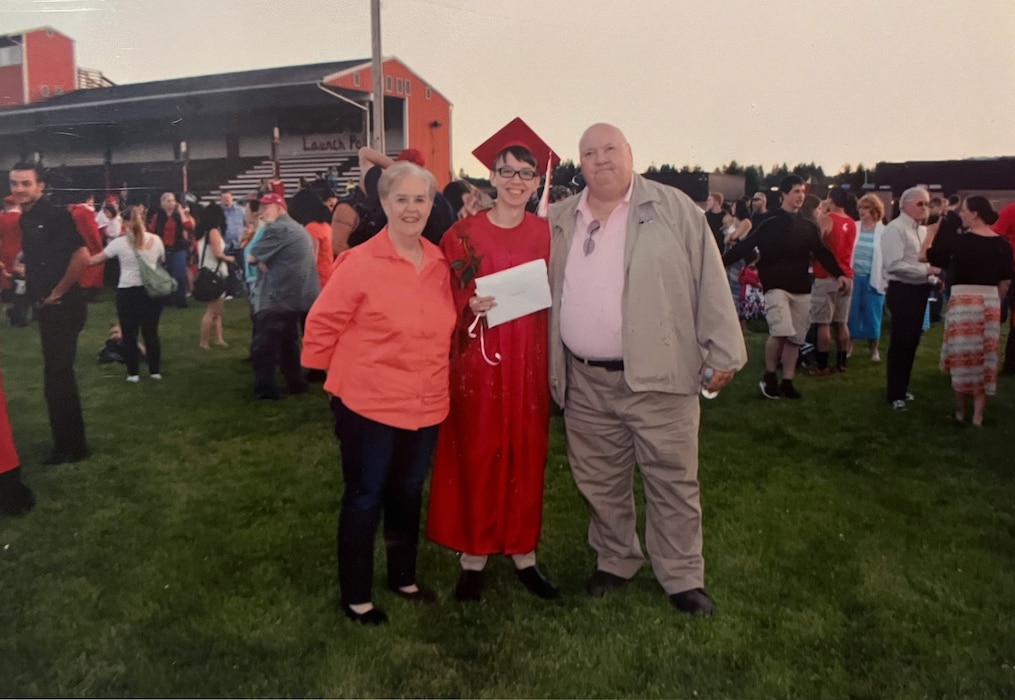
x=875, y=356
x=156, y=376
x=909, y=396
x=133, y=378
x=898, y=405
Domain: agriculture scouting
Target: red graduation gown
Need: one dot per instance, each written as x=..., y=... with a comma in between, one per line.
x=486, y=493
x=8, y=454
x=84, y=221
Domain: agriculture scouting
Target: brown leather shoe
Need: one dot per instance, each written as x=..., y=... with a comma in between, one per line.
x=693, y=602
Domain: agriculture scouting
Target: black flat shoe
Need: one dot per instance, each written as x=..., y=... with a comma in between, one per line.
x=470, y=586
x=57, y=457
x=533, y=579
x=602, y=582
x=693, y=602
x=423, y=596
x=15, y=497
x=373, y=616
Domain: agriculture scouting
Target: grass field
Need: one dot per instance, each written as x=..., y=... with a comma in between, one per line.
x=851, y=551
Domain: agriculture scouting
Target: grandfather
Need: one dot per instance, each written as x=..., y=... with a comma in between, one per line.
x=641, y=316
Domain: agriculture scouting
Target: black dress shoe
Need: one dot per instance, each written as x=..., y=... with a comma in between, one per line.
x=693, y=602
x=533, y=579
x=422, y=596
x=602, y=582
x=58, y=456
x=15, y=497
x=373, y=616
x=470, y=586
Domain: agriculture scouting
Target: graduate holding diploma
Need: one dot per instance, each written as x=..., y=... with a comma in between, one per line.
x=486, y=494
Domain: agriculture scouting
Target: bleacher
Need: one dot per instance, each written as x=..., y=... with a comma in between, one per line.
x=291, y=169
x=206, y=177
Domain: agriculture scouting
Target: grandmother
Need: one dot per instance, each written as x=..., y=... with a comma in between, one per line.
x=382, y=330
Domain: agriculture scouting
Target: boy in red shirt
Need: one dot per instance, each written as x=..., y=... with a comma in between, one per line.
x=829, y=304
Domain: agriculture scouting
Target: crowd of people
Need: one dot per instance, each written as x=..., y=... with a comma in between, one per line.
x=640, y=301
x=834, y=265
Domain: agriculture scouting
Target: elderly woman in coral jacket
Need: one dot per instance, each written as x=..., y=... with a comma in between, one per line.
x=382, y=329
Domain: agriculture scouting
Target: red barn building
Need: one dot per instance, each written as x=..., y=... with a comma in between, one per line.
x=209, y=131
x=36, y=65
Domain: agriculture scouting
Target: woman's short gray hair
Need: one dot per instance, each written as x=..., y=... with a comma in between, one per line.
x=401, y=170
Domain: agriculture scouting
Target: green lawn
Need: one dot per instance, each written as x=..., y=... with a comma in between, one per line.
x=851, y=551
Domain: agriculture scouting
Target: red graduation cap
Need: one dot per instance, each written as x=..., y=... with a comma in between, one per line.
x=413, y=155
x=516, y=133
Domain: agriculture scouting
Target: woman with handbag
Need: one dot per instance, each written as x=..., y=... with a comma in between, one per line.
x=135, y=307
x=212, y=262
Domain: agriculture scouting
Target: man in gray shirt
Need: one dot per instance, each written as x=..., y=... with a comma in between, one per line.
x=286, y=288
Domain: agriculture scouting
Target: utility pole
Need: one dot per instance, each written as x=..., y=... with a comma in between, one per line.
x=377, y=71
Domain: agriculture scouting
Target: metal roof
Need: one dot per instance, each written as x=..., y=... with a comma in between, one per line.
x=175, y=97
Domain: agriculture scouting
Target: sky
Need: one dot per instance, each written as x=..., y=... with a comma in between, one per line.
x=689, y=82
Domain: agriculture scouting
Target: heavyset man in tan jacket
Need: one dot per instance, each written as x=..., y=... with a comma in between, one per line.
x=641, y=317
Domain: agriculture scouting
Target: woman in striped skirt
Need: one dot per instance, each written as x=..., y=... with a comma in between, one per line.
x=983, y=270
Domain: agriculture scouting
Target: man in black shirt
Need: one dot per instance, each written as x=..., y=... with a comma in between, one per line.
x=786, y=242
x=55, y=257
x=714, y=214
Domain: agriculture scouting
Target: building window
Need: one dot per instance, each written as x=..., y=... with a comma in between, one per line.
x=388, y=83
x=10, y=56
x=355, y=79
x=428, y=92
x=408, y=86
x=44, y=90
x=401, y=86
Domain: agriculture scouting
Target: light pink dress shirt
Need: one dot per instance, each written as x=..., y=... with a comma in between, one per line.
x=591, y=314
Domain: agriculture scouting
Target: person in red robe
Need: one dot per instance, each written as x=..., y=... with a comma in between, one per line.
x=10, y=240
x=86, y=224
x=486, y=493
x=15, y=497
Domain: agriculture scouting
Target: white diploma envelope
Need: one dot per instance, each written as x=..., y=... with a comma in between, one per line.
x=518, y=291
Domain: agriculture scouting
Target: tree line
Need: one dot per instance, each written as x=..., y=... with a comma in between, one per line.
x=755, y=176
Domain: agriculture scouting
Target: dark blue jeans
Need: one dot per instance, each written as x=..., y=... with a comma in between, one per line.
x=138, y=311
x=176, y=265
x=276, y=345
x=383, y=468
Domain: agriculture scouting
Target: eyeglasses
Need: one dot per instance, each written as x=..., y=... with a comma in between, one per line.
x=590, y=242
x=525, y=174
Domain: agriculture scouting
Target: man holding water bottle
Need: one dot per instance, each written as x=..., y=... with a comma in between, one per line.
x=641, y=319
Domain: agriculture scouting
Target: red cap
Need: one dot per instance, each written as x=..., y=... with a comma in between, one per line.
x=413, y=155
x=516, y=133
x=273, y=198
x=112, y=199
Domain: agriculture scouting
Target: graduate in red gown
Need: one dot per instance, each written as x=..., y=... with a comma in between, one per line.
x=486, y=493
x=15, y=497
x=88, y=227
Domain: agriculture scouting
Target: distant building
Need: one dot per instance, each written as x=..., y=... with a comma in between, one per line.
x=697, y=185
x=222, y=130
x=992, y=177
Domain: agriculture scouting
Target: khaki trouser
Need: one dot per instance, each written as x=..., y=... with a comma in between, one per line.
x=609, y=430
